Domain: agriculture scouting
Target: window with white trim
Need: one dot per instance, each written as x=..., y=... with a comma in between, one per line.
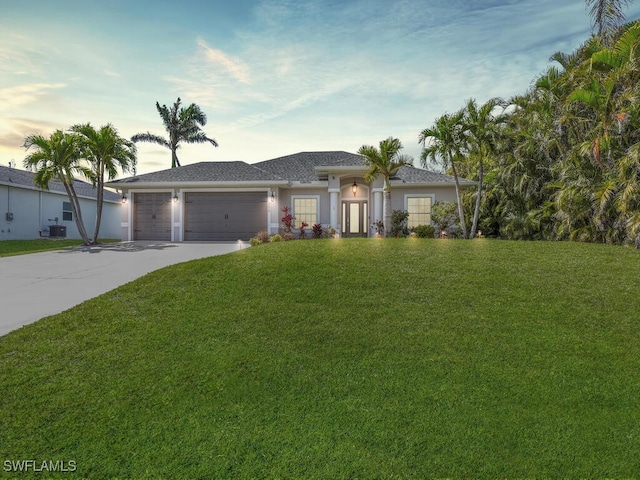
x=305, y=209
x=419, y=209
x=67, y=211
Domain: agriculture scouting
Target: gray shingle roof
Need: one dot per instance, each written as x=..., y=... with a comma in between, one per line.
x=204, y=172
x=302, y=167
x=418, y=175
x=299, y=167
x=24, y=178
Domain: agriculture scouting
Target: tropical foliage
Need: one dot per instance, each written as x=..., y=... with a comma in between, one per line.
x=442, y=142
x=606, y=15
x=58, y=158
x=83, y=151
x=107, y=153
x=183, y=124
x=562, y=160
x=384, y=162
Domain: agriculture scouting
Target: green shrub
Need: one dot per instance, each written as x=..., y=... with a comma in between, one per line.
x=286, y=236
x=329, y=232
x=445, y=216
x=275, y=238
x=261, y=237
x=424, y=231
x=399, y=223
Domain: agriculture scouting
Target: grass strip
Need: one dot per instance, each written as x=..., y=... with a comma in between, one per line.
x=21, y=247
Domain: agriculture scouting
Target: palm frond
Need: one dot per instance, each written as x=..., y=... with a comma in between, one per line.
x=150, y=138
x=606, y=15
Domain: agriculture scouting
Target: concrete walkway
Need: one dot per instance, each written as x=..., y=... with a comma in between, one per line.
x=37, y=285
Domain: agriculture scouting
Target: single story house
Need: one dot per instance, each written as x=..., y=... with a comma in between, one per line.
x=230, y=201
x=28, y=212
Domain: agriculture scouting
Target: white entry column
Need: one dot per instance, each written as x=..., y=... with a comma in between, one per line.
x=377, y=205
x=334, y=210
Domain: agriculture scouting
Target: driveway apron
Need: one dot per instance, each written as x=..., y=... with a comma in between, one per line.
x=37, y=285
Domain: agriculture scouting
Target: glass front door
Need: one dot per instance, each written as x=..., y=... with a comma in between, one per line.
x=354, y=219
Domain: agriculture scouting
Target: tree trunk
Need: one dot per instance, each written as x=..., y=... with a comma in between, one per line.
x=99, y=202
x=75, y=208
x=174, y=159
x=386, y=209
x=463, y=225
x=476, y=213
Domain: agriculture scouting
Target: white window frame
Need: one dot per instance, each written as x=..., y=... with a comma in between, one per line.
x=407, y=196
x=69, y=211
x=305, y=197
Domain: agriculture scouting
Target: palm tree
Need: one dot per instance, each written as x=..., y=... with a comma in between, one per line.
x=606, y=16
x=384, y=162
x=182, y=124
x=481, y=128
x=529, y=146
x=443, y=142
x=106, y=152
x=58, y=158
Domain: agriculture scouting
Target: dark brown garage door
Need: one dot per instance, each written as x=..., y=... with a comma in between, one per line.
x=152, y=216
x=224, y=216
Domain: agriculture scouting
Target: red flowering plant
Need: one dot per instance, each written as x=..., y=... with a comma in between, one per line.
x=317, y=230
x=287, y=219
x=303, y=225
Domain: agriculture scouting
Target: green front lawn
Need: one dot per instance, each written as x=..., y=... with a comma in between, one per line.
x=341, y=358
x=21, y=247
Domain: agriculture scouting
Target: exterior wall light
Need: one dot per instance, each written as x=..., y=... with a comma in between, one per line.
x=273, y=197
x=354, y=187
x=175, y=198
x=124, y=199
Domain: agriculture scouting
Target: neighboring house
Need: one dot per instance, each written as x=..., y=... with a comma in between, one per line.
x=28, y=212
x=229, y=201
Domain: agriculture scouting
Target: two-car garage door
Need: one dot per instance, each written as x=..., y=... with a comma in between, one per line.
x=228, y=216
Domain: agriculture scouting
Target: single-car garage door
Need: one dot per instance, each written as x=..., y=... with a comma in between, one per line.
x=152, y=216
x=227, y=216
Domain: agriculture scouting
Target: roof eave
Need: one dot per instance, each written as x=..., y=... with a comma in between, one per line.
x=340, y=168
x=33, y=188
x=468, y=183
x=207, y=184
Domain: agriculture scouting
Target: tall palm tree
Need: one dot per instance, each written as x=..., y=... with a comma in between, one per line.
x=481, y=128
x=107, y=152
x=58, y=158
x=384, y=161
x=608, y=94
x=443, y=141
x=606, y=16
x=182, y=124
x=599, y=198
x=530, y=145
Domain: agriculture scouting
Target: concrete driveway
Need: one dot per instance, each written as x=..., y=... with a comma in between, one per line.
x=37, y=285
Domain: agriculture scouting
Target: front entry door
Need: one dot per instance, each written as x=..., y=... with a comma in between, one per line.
x=354, y=219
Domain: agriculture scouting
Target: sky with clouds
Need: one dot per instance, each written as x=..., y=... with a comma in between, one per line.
x=274, y=77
